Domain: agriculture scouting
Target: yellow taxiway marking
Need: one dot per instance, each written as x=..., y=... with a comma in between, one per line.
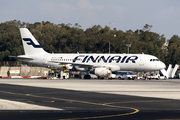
x=48, y=101
x=106, y=116
x=85, y=102
x=30, y=101
x=137, y=101
x=55, y=92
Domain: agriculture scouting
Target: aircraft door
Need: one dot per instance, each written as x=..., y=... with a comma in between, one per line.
x=141, y=61
x=45, y=57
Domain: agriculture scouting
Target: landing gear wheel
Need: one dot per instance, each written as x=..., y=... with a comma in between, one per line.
x=158, y=78
x=87, y=77
x=100, y=77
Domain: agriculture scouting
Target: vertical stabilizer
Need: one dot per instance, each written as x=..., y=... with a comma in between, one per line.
x=30, y=44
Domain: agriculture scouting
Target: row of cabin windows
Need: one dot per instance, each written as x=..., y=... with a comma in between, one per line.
x=61, y=59
x=154, y=59
x=67, y=59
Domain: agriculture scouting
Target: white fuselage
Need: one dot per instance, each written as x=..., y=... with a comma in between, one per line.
x=106, y=63
x=124, y=62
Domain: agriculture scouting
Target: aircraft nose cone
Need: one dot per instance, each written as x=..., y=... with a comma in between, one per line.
x=161, y=65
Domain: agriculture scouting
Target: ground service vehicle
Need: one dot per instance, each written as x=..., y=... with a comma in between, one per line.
x=125, y=75
x=156, y=76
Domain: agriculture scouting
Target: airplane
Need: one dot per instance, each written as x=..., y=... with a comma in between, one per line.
x=101, y=65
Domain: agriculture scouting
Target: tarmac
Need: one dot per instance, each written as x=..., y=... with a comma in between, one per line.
x=169, y=89
x=14, y=105
x=89, y=99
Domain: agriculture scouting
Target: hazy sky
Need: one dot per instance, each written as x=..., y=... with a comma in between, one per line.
x=163, y=15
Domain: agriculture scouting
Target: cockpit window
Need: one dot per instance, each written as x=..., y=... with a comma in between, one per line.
x=154, y=59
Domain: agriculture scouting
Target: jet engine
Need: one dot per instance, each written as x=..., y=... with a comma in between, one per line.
x=102, y=72
x=69, y=66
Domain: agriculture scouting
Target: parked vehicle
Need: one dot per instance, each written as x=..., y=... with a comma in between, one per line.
x=153, y=76
x=113, y=76
x=125, y=75
x=156, y=76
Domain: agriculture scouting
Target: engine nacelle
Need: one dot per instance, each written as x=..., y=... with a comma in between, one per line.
x=79, y=68
x=69, y=66
x=102, y=72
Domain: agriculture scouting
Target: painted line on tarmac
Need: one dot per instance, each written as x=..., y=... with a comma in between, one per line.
x=106, y=116
x=138, y=101
x=85, y=102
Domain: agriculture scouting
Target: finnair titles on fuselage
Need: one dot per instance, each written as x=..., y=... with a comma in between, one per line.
x=130, y=62
x=100, y=63
x=98, y=59
x=109, y=59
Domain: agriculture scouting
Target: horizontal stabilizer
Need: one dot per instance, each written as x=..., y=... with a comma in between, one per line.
x=22, y=57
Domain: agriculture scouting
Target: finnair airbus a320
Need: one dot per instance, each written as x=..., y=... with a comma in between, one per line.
x=100, y=64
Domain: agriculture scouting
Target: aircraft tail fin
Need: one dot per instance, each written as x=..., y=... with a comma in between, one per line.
x=30, y=44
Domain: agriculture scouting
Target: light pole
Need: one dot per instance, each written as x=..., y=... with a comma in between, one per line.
x=129, y=34
x=109, y=47
x=109, y=44
x=110, y=35
x=128, y=45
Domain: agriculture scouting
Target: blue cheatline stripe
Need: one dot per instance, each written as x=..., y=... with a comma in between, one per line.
x=31, y=43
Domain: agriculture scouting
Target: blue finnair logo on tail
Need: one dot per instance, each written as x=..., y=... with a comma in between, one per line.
x=30, y=42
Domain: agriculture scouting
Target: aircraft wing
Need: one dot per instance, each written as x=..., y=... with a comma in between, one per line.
x=75, y=64
x=84, y=65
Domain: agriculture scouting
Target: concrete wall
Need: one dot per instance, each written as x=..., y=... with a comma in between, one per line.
x=23, y=71
x=4, y=71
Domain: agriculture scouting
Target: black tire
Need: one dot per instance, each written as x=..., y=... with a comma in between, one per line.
x=158, y=78
x=87, y=77
x=100, y=77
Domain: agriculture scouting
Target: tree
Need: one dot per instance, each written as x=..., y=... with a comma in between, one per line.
x=173, y=56
x=65, y=38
